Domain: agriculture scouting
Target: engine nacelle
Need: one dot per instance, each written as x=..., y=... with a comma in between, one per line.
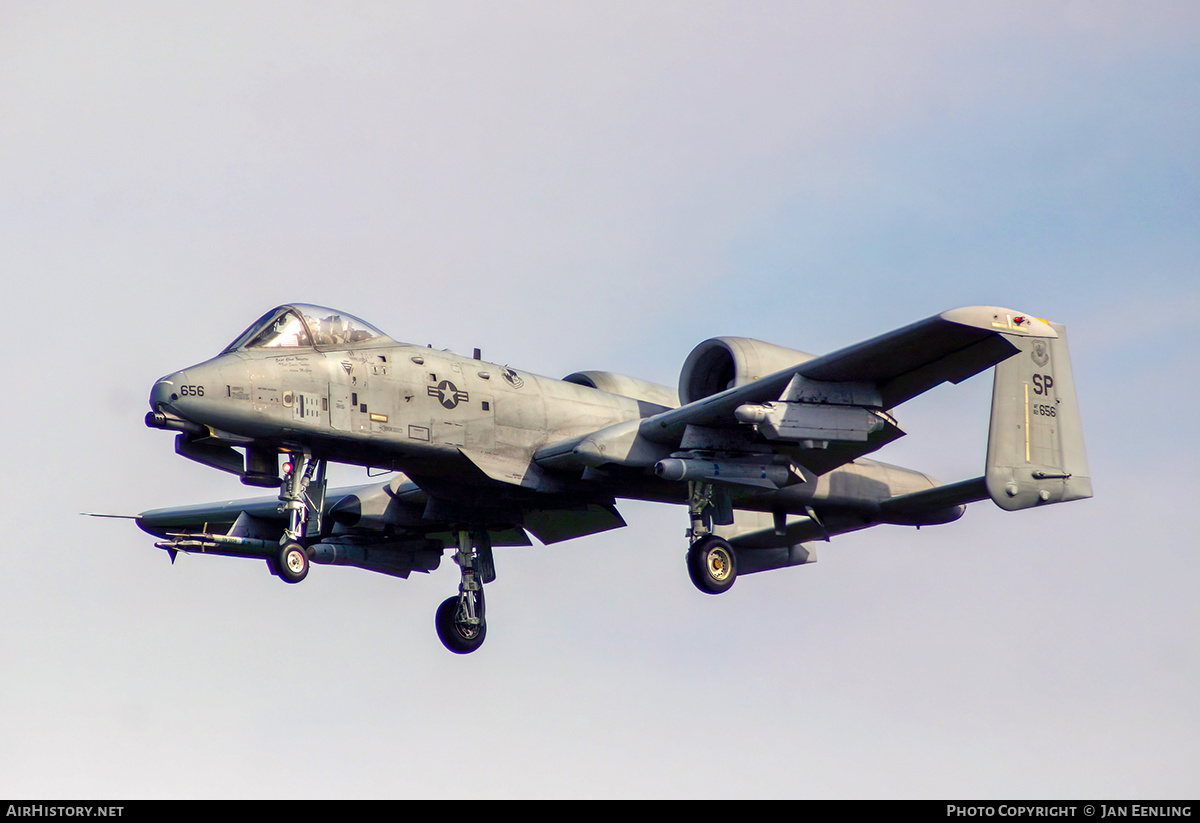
x=625, y=386
x=722, y=363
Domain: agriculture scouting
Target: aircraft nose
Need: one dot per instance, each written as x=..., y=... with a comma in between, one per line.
x=166, y=390
x=170, y=402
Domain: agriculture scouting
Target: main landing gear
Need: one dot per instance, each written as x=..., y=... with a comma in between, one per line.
x=302, y=498
x=711, y=561
x=460, y=620
x=712, y=564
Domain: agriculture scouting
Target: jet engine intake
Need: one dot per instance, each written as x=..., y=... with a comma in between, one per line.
x=625, y=386
x=722, y=363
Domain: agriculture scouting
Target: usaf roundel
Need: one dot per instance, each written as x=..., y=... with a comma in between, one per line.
x=448, y=394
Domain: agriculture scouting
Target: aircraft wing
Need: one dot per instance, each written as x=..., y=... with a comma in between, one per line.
x=377, y=527
x=828, y=410
x=386, y=527
x=900, y=365
x=211, y=517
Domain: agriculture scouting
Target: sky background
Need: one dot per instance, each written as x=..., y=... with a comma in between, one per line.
x=602, y=185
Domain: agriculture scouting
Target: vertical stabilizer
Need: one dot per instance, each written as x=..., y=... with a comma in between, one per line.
x=1035, y=443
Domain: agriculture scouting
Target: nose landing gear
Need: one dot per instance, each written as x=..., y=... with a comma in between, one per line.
x=292, y=562
x=302, y=498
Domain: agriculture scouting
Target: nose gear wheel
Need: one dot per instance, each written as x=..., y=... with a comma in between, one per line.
x=292, y=562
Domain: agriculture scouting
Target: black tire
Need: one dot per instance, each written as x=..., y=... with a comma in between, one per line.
x=712, y=565
x=291, y=564
x=457, y=637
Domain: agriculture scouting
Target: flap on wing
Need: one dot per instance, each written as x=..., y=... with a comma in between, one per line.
x=555, y=525
x=256, y=528
x=519, y=471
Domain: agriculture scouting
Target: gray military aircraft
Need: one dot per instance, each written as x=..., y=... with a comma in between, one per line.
x=766, y=446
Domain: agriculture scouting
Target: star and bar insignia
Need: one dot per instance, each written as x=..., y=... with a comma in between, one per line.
x=448, y=394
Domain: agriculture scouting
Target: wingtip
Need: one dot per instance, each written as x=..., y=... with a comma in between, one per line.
x=1001, y=320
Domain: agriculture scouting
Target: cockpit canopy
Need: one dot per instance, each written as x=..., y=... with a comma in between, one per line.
x=303, y=326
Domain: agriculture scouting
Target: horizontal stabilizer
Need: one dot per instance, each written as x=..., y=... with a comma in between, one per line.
x=918, y=505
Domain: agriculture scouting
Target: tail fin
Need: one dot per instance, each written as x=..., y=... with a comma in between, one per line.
x=1035, y=444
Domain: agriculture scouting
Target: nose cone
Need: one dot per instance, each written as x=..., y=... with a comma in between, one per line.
x=202, y=395
x=166, y=390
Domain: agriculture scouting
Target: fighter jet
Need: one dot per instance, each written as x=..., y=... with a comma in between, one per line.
x=766, y=447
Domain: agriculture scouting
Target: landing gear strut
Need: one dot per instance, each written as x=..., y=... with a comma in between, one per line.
x=711, y=561
x=460, y=620
x=302, y=498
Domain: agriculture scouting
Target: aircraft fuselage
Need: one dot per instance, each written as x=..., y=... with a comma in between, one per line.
x=438, y=415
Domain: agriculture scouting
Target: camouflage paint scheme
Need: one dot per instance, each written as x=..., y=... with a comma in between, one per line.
x=766, y=446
